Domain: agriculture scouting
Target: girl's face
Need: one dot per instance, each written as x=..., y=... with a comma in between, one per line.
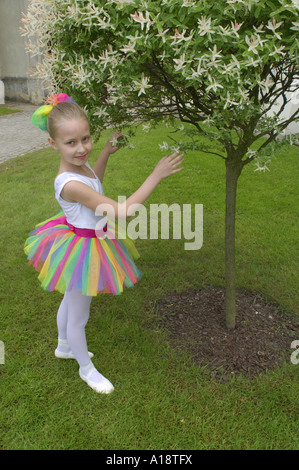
x=73, y=142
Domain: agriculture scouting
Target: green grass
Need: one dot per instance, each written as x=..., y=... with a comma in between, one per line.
x=4, y=110
x=161, y=399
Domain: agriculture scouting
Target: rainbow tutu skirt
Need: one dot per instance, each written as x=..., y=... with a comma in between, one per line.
x=66, y=260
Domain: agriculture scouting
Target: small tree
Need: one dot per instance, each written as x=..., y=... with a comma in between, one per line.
x=219, y=66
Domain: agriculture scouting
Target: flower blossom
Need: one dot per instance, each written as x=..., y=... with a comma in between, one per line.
x=179, y=37
x=198, y=72
x=107, y=57
x=101, y=112
x=162, y=34
x=215, y=54
x=146, y=128
x=142, y=85
x=235, y=28
x=122, y=2
x=265, y=84
x=181, y=62
x=214, y=85
x=254, y=42
x=204, y=27
x=188, y=3
x=253, y=63
x=164, y=146
x=295, y=26
x=278, y=51
x=105, y=24
x=229, y=101
x=273, y=27
x=129, y=47
x=140, y=19
x=261, y=168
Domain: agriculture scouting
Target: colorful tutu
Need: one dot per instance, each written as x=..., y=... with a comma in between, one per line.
x=67, y=261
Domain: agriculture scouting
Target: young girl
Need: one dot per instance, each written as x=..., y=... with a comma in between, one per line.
x=70, y=255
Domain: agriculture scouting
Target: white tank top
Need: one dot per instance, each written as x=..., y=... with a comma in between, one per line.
x=76, y=214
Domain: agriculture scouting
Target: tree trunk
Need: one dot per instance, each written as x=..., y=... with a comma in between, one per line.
x=233, y=171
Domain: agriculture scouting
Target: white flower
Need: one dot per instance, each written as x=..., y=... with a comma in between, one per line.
x=188, y=3
x=215, y=54
x=199, y=71
x=142, y=85
x=80, y=74
x=232, y=67
x=181, y=62
x=229, y=101
x=261, y=168
x=164, y=146
x=104, y=24
x=273, y=27
x=146, y=128
x=162, y=34
x=278, y=51
x=101, y=112
x=225, y=31
x=214, y=85
x=122, y=2
x=296, y=26
x=254, y=42
x=244, y=94
x=107, y=57
x=204, y=26
x=143, y=21
x=134, y=38
x=251, y=153
x=179, y=37
x=253, y=63
x=235, y=27
x=265, y=84
x=129, y=47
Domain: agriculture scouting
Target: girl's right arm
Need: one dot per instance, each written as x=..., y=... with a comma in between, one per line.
x=75, y=191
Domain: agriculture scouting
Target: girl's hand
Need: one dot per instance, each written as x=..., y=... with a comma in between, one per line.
x=111, y=145
x=169, y=165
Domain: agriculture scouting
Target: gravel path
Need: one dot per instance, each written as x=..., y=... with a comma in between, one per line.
x=17, y=134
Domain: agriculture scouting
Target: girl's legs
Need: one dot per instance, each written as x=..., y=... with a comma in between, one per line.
x=77, y=316
x=63, y=349
x=63, y=346
x=72, y=318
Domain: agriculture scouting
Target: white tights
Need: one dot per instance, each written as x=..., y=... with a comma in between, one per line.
x=72, y=317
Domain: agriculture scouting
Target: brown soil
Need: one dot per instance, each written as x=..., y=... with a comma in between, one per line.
x=261, y=341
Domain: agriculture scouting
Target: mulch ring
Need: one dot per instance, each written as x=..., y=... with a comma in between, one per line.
x=261, y=341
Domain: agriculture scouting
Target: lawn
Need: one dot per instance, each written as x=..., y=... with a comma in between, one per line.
x=161, y=399
x=4, y=111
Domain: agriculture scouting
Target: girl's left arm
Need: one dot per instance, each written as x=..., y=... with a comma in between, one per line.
x=100, y=166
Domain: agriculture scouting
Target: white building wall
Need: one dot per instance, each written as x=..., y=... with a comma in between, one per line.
x=14, y=60
x=291, y=107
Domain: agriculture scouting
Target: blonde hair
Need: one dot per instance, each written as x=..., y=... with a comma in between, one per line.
x=63, y=111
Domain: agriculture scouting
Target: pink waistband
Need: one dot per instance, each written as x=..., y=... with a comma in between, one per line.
x=85, y=232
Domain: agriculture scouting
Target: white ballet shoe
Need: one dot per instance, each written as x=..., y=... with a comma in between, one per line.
x=103, y=386
x=69, y=355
